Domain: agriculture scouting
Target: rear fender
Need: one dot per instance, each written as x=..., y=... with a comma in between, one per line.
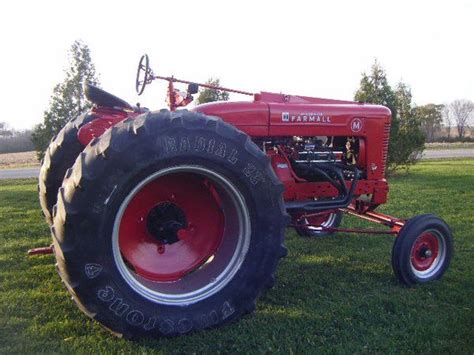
x=105, y=118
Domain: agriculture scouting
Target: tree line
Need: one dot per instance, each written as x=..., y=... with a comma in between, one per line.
x=14, y=141
x=412, y=125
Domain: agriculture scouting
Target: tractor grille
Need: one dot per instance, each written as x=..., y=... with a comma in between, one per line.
x=385, y=139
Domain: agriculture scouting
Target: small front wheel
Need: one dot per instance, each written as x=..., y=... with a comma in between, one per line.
x=423, y=250
x=314, y=225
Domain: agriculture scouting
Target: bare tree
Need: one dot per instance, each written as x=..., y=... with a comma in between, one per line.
x=12, y=140
x=448, y=119
x=5, y=130
x=461, y=111
x=430, y=117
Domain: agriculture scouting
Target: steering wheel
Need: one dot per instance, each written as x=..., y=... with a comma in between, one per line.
x=144, y=74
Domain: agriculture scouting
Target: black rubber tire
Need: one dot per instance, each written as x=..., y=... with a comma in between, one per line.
x=304, y=231
x=60, y=156
x=402, y=249
x=100, y=180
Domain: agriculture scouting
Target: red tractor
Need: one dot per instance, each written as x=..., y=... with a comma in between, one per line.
x=173, y=221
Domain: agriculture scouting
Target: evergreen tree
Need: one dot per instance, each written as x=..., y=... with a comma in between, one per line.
x=211, y=95
x=67, y=100
x=375, y=89
x=410, y=139
x=406, y=139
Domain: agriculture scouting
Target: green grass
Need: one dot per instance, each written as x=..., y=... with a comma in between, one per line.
x=335, y=294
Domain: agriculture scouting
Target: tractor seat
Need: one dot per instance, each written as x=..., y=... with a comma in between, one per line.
x=103, y=98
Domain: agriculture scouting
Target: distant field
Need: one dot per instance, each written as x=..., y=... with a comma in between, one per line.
x=18, y=160
x=333, y=295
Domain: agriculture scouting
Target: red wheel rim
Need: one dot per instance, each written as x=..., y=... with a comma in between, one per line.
x=316, y=222
x=425, y=251
x=156, y=260
x=181, y=234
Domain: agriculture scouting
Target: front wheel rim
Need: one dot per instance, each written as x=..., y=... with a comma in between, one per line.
x=318, y=224
x=428, y=254
x=207, y=269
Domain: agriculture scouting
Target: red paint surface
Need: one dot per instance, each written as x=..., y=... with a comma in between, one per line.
x=170, y=262
x=106, y=118
x=279, y=115
x=426, y=241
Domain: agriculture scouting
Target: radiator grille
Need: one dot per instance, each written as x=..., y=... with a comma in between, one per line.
x=385, y=140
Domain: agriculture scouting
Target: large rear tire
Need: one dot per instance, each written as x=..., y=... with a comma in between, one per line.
x=169, y=223
x=60, y=156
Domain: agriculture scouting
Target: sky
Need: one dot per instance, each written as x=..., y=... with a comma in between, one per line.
x=312, y=48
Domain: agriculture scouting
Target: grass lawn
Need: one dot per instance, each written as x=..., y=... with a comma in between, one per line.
x=334, y=294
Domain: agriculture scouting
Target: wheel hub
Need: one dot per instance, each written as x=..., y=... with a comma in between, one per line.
x=164, y=221
x=424, y=252
x=171, y=227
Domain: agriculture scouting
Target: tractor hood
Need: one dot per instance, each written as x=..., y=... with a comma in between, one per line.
x=279, y=114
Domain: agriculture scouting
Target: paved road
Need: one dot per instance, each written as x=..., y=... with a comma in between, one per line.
x=448, y=153
x=20, y=173
x=23, y=173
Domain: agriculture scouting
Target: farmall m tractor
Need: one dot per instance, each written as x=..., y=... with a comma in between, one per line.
x=173, y=221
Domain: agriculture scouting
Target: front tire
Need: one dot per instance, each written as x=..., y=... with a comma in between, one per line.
x=169, y=223
x=423, y=250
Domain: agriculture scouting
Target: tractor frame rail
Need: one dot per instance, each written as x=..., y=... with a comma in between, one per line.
x=41, y=251
x=395, y=224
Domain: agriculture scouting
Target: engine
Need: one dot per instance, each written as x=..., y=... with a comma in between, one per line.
x=312, y=158
x=329, y=163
